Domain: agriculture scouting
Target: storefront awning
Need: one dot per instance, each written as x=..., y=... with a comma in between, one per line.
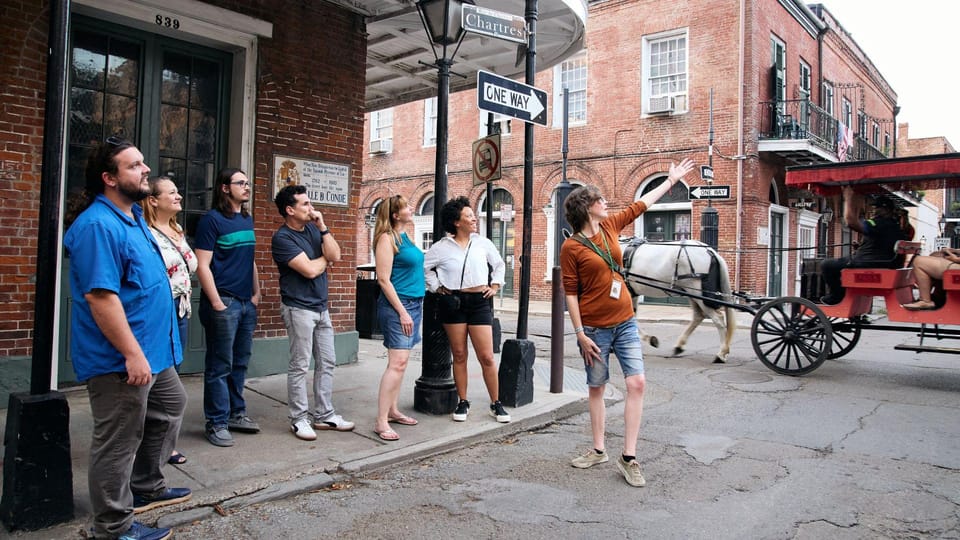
x=915, y=173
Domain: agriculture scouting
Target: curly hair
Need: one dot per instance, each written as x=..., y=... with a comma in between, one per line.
x=450, y=213
x=288, y=197
x=578, y=204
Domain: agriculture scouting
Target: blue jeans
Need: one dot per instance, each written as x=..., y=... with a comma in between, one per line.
x=182, y=324
x=624, y=341
x=229, y=337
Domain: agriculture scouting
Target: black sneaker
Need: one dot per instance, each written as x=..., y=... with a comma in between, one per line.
x=142, y=503
x=497, y=411
x=463, y=409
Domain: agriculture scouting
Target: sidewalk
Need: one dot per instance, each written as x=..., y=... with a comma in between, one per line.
x=274, y=464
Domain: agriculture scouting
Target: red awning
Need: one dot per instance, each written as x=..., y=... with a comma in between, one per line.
x=900, y=174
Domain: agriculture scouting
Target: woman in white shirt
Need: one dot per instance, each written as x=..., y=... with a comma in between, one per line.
x=456, y=268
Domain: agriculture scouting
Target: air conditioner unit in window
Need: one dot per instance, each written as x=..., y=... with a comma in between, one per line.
x=381, y=146
x=660, y=105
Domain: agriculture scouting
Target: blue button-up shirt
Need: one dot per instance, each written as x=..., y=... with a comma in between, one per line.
x=112, y=251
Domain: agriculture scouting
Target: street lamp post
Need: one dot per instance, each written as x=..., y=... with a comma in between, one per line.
x=435, y=392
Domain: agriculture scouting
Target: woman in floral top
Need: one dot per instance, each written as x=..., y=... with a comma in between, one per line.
x=160, y=211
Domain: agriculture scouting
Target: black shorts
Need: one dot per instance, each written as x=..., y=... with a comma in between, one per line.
x=465, y=307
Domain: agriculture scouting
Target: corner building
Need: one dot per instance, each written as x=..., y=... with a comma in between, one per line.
x=786, y=81
x=277, y=88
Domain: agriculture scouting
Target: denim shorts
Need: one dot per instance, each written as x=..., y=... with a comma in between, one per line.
x=393, y=336
x=624, y=341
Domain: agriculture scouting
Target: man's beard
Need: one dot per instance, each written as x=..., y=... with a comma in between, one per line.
x=136, y=194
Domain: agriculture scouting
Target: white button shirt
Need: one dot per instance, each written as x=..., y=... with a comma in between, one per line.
x=443, y=264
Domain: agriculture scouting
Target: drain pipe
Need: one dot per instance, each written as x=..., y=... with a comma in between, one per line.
x=740, y=124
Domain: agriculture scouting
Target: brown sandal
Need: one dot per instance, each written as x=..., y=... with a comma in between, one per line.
x=920, y=305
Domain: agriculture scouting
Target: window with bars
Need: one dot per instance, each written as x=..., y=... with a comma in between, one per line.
x=666, y=71
x=381, y=125
x=572, y=75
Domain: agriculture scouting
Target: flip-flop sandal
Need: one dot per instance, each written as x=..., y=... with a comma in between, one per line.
x=403, y=420
x=388, y=435
x=177, y=458
x=918, y=306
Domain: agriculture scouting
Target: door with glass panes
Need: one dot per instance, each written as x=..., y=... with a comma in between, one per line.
x=167, y=96
x=503, y=234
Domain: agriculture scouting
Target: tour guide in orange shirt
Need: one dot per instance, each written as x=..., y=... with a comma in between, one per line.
x=602, y=312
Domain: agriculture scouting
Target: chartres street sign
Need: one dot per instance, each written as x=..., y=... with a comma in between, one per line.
x=505, y=96
x=494, y=23
x=712, y=192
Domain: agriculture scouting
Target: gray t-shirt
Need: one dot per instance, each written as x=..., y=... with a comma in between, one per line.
x=295, y=289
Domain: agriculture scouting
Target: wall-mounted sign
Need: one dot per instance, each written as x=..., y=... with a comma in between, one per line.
x=327, y=183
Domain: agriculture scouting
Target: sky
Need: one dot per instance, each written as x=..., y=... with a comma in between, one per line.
x=915, y=45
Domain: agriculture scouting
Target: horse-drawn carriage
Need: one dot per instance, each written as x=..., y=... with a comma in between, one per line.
x=794, y=335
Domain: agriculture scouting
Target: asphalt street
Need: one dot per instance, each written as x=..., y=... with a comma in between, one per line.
x=867, y=446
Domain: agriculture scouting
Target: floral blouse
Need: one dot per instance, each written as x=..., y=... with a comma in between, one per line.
x=180, y=262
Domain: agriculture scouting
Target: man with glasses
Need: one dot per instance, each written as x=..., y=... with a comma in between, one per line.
x=124, y=343
x=225, y=244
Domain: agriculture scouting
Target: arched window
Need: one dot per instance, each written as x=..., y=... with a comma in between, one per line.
x=679, y=193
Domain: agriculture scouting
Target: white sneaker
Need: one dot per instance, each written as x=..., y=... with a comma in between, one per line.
x=303, y=430
x=335, y=422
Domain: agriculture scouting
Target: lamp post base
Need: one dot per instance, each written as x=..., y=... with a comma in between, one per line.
x=435, y=391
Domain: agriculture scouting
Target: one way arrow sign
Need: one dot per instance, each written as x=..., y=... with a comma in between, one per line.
x=505, y=96
x=712, y=192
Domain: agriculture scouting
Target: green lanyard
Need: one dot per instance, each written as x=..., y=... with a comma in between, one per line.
x=606, y=256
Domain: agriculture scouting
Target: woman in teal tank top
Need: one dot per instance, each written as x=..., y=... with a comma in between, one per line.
x=400, y=306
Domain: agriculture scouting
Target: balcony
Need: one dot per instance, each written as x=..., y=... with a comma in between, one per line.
x=801, y=133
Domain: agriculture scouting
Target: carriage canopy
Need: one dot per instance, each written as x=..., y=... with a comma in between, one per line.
x=914, y=173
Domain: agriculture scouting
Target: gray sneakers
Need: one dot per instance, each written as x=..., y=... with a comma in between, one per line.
x=219, y=436
x=590, y=459
x=631, y=472
x=243, y=424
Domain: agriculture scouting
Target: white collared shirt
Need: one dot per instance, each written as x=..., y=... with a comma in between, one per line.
x=443, y=264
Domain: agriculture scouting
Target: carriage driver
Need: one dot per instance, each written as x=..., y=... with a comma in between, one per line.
x=880, y=232
x=602, y=312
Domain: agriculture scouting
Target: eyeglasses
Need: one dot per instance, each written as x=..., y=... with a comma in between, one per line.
x=241, y=183
x=116, y=141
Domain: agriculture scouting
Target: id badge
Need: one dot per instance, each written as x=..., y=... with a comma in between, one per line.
x=615, y=289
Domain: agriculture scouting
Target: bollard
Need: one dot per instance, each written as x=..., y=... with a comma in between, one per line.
x=516, y=372
x=37, y=474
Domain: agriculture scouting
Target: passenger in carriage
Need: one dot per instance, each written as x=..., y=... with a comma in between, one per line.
x=928, y=268
x=880, y=232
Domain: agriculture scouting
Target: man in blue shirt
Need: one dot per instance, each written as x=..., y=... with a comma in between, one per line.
x=303, y=248
x=124, y=344
x=227, y=272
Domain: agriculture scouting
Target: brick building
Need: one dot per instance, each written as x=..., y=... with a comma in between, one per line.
x=264, y=85
x=786, y=80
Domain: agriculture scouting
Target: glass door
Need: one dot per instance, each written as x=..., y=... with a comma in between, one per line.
x=167, y=96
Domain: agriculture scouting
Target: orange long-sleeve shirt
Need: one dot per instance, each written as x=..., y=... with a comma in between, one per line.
x=588, y=276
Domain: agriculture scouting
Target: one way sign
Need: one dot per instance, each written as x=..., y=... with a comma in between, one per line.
x=505, y=96
x=712, y=192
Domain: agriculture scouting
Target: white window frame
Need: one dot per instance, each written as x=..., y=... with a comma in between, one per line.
x=680, y=96
x=828, y=94
x=847, y=112
x=506, y=124
x=381, y=125
x=430, y=122
x=805, y=79
x=575, y=71
x=807, y=222
x=875, y=137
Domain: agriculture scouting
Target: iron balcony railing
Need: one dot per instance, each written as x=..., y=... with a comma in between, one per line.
x=801, y=119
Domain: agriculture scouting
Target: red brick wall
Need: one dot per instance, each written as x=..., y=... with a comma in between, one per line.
x=22, y=93
x=309, y=101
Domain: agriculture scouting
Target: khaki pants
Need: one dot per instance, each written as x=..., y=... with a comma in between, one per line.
x=134, y=430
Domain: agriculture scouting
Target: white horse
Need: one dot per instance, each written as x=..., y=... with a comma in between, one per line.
x=688, y=266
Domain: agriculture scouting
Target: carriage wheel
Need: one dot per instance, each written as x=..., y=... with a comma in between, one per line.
x=846, y=335
x=791, y=335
